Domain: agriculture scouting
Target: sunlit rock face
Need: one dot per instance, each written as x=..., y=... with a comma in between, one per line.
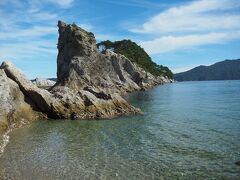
x=80, y=64
x=15, y=109
x=89, y=83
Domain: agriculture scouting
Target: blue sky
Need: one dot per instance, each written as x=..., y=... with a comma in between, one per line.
x=178, y=34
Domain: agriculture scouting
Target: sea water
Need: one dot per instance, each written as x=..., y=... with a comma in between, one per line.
x=189, y=130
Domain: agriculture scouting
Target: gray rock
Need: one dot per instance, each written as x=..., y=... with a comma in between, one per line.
x=89, y=83
x=39, y=99
x=63, y=102
x=80, y=64
x=45, y=83
x=14, y=108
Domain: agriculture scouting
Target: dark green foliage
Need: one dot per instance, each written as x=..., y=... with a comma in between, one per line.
x=224, y=70
x=137, y=55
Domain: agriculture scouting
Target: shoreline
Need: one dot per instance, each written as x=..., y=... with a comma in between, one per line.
x=5, y=140
x=90, y=84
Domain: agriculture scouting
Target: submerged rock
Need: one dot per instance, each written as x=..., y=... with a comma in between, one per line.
x=237, y=163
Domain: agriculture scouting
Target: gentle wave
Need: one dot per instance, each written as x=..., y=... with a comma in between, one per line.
x=185, y=133
x=5, y=136
x=5, y=141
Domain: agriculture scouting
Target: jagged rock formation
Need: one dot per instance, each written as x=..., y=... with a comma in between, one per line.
x=64, y=102
x=89, y=83
x=136, y=54
x=80, y=64
x=41, y=100
x=14, y=107
x=22, y=101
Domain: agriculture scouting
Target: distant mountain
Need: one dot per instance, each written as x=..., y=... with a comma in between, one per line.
x=224, y=70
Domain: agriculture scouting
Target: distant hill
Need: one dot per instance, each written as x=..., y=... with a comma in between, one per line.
x=224, y=70
x=137, y=55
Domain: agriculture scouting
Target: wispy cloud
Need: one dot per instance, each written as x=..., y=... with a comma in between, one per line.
x=62, y=3
x=28, y=31
x=146, y=4
x=37, y=3
x=196, y=23
x=22, y=50
x=170, y=43
x=203, y=15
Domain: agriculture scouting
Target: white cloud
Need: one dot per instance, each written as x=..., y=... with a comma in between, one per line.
x=32, y=32
x=203, y=15
x=41, y=16
x=27, y=32
x=169, y=43
x=197, y=23
x=62, y=3
x=16, y=3
x=23, y=50
x=136, y=3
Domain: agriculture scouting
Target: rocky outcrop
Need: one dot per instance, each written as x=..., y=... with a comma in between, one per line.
x=131, y=76
x=14, y=107
x=89, y=83
x=63, y=102
x=40, y=99
x=44, y=83
x=81, y=64
x=21, y=97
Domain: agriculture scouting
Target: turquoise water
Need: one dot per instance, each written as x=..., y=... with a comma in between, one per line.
x=189, y=130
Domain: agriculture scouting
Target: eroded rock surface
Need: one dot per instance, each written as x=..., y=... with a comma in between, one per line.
x=40, y=99
x=63, y=102
x=81, y=64
x=14, y=108
x=89, y=83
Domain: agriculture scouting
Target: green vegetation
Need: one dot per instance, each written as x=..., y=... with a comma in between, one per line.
x=137, y=55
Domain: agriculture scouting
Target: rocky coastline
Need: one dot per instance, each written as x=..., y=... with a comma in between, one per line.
x=89, y=85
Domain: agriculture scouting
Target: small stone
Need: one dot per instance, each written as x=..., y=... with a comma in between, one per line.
x=237, y=163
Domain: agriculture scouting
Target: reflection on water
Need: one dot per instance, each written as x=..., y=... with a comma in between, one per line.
x=188, y=131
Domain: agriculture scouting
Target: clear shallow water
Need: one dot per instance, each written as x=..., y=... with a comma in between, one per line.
x=190, y=130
